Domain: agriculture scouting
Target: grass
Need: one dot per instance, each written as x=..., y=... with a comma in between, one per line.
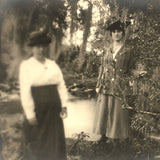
x=137, y=148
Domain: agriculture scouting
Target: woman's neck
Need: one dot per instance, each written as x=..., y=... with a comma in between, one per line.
x=40, y=59
x=117, y=45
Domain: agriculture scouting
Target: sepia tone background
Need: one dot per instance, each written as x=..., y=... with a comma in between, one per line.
x=77, y=29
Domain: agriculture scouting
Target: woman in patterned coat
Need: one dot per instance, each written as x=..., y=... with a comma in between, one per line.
x=111, y=119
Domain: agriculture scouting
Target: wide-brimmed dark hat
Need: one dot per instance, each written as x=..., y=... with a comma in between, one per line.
x=38, y=38
x=118, y=25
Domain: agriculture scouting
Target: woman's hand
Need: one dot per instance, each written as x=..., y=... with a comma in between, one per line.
x=63, y=113
x=142, y=73
x=97, y=90
x=33, y=121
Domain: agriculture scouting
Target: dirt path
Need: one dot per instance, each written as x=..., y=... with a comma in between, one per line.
x=80, y=118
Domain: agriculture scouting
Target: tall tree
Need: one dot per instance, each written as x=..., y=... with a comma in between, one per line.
x=14, y=32
x=86, y=21
x=25, y=16
x=2, y=68
x=57, y=16
x=73, y=6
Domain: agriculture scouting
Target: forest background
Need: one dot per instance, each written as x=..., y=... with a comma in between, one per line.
x=77, y=28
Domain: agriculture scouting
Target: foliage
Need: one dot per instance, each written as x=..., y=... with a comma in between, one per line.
x=57, y=14
x=146, y=87
x=145, y=124
x=139, y=147
x=19, y=19
x=81, y=18
x=87, y=25
x=74, y=17
x=69, y=59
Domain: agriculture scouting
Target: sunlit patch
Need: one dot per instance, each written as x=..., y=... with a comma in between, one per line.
x=80, y=118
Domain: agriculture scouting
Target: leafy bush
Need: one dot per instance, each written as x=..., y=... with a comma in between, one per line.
x=69, y=60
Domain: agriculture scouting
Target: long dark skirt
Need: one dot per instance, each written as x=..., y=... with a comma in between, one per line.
x=45, y=141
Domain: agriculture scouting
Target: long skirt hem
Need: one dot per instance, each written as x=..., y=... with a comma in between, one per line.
x=45, y=141
x=110, y=119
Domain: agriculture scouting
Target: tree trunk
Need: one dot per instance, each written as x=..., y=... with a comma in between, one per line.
x=86, y=33
x=73, y=17
x=2, y=68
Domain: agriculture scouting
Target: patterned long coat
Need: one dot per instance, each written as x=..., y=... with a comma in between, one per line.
x=114, y=73
x=113, y=85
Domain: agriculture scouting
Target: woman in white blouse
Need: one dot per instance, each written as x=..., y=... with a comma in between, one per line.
x=44, y=101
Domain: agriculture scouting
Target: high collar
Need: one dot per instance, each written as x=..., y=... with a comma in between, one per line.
x=39, y=62
x=119, y=52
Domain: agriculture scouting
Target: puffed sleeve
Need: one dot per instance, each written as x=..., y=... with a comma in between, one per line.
x=25, y=91
x=62, y=88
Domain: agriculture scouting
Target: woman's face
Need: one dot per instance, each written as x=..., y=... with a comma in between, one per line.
x=117, y=35
x=39, y=51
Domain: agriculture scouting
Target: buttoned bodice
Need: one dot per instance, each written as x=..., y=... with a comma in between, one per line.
x=114, y=72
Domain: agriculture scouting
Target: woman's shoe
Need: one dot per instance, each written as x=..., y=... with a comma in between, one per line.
x=103, y=139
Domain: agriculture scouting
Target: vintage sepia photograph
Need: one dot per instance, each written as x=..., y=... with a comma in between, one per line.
x=79, y=79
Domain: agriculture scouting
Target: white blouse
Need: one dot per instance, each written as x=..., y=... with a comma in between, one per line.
x=34, y=73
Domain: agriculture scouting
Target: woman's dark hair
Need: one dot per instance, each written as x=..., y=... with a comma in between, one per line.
x=122, y=30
